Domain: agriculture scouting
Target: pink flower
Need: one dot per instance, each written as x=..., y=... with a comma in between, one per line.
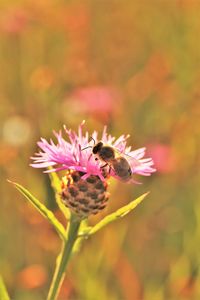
x=164, y=157
x=99, y=101
x=71, y=155
x=96, y=98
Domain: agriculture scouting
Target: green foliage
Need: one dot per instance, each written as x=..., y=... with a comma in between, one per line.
x=55, y=183
x=72, y=237
x=85, y=230
x=120, y=213
x=3, y=291
x=45, y=212
x=83, y=227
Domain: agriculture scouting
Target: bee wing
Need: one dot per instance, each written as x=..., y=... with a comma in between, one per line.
x=132, y=161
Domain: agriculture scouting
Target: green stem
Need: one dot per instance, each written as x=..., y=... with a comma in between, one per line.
x=63, y=258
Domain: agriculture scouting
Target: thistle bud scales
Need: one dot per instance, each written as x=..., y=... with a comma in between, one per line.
x=84, y=197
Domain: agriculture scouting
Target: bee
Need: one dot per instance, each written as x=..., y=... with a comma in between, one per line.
x=116, y=162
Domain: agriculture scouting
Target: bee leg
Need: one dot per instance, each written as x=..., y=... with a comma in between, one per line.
x=103, y=166
x=109, y=170
x=104, y=170
x=89, y=157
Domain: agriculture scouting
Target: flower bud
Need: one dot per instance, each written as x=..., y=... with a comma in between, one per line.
x=84, y=197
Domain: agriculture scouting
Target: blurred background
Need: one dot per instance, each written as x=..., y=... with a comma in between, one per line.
x=135, y=66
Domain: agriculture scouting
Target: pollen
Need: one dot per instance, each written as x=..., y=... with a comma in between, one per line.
x=84, y=197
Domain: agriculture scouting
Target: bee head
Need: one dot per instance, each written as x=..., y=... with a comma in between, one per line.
x=97, y=148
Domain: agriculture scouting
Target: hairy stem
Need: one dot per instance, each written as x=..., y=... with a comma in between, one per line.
x=63, y=258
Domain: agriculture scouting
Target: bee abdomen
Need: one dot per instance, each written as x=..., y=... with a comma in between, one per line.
x=122, y=168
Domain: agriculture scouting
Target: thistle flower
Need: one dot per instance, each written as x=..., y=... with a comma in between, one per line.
x=84, y=186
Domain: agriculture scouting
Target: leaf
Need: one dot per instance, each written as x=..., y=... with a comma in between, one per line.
x=3, y=290
x=45, y=212
x=114, y=216
x=55, y=183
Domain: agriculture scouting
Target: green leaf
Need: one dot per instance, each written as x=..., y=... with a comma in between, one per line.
x=56, y=185
x=114, y=216
x=3, y=290
x=45, y=212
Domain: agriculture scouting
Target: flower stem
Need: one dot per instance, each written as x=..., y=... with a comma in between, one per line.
x=63, y=258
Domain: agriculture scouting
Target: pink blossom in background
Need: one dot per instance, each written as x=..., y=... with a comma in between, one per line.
x=163, y=157
x=98, y=101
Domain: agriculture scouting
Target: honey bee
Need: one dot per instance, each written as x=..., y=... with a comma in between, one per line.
x=111, y=158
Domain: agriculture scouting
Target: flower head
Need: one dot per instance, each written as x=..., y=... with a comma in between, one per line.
x=77, y=155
